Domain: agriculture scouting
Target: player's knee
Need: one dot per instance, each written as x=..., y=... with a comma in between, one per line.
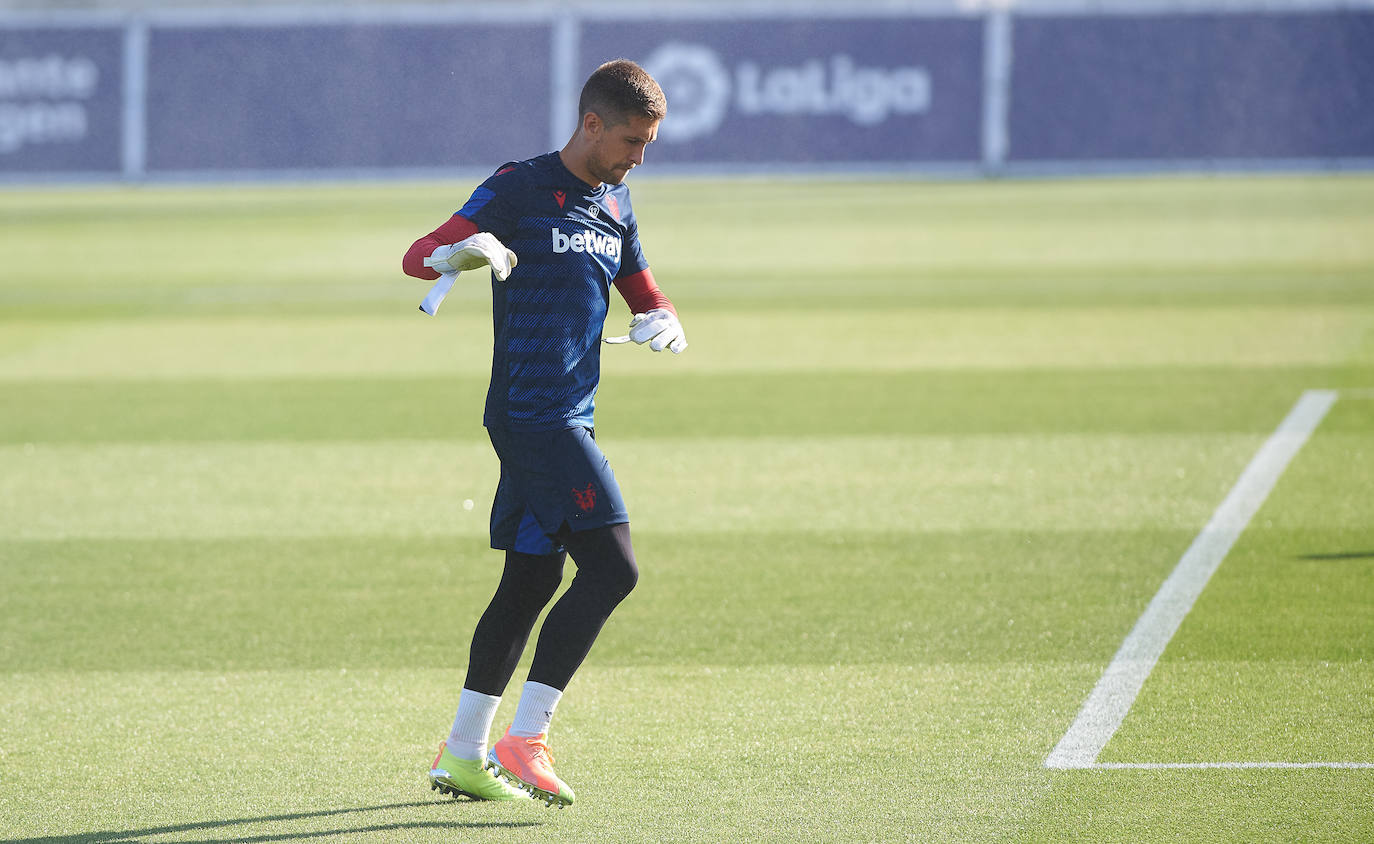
x=622, y=579
x=609, y=579
x=627, y=573
x=606, y=560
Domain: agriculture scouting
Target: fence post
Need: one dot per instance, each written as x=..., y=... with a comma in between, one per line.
x=563, y=82
x=134, y=121
x=996, y=88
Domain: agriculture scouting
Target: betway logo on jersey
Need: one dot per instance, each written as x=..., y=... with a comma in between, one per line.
x=704, y=90
x=586, y=241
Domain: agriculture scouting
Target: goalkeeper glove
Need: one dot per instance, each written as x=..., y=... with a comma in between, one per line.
x=479, y=250
x=661, y=329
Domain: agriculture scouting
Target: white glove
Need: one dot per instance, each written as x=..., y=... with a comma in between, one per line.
x=661, y=329
x=477, y=251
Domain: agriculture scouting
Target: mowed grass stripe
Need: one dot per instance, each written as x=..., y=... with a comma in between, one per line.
x=1253, y=710
x=892, y=338
x=238, y=757
x=785, y=598
x=235, y=749
x=1104, y=241
x=695, y=406
x=305, y=295
x=202, y=490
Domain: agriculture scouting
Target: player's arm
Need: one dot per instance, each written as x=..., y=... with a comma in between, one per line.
x=456, y=246
x=455, y=229
x=655, y=319
x=642, y=293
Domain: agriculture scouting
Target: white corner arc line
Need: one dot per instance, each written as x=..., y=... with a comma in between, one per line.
x=1123, y=678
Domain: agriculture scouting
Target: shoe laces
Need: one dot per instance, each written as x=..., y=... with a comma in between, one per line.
x=539, y=749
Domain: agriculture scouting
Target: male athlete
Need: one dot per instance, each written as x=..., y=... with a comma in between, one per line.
x=567, y=215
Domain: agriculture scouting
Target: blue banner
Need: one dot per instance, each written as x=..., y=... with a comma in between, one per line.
x=1195, y=86
x=869, y=86
x=61, y=94
x=804, y=91
x=346, y=96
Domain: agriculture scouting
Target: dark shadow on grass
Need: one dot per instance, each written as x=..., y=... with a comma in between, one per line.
x=1341, y=555
x=131, y=836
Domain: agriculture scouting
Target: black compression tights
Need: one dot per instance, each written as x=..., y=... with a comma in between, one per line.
x=606, y=573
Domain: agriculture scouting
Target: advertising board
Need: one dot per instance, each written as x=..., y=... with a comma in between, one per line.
x=61, y=96
x=831, y=91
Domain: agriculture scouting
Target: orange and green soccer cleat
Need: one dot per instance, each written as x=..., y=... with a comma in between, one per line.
x=528, y=763
x=469, y=777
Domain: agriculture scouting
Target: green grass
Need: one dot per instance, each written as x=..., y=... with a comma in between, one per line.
x=932, y=451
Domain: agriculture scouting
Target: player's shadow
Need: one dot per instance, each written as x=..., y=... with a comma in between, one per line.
x=1341, y=555
x=130, y=836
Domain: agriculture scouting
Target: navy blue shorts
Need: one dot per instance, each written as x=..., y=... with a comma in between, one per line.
x=551, y=481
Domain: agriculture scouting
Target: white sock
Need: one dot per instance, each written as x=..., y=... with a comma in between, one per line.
x=472, y=724
x=535, y=710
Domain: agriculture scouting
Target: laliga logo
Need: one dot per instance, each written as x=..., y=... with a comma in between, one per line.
x=701, y=89
x=699, y=86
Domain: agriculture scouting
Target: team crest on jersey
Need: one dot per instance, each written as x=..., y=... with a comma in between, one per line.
x=559, y=196
x=613, y=207
x=593, y=210
x=585, y=498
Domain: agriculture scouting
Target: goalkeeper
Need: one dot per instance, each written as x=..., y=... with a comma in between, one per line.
x=567, y=216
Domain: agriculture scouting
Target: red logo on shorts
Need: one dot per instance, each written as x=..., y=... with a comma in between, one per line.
x=585, y=498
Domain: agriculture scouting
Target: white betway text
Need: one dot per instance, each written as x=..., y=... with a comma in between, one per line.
x=586, y=241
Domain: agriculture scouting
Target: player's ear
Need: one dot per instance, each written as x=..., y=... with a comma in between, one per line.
x=592, y=124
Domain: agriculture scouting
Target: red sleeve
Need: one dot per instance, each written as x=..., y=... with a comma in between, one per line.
x=455, y=229
x=642, y=294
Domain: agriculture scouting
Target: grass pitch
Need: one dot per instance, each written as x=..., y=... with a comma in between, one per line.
x=933, y=450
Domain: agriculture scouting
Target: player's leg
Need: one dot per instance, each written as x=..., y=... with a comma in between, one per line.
x=528, y=583
x=573, y=494
x=606, y=573
x=532, y=573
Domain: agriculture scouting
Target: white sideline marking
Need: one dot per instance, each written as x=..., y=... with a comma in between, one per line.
x=1120, y=683
x=1153, y=766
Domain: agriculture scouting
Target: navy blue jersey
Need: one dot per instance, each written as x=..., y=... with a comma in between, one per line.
x=572, y=241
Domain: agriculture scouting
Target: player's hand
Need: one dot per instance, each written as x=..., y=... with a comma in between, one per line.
x=480, y=250
x=659, y=328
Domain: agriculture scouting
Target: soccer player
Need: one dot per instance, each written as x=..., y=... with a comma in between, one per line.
x=568, y=218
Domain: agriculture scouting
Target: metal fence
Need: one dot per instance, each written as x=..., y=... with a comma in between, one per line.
x=802, y=88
